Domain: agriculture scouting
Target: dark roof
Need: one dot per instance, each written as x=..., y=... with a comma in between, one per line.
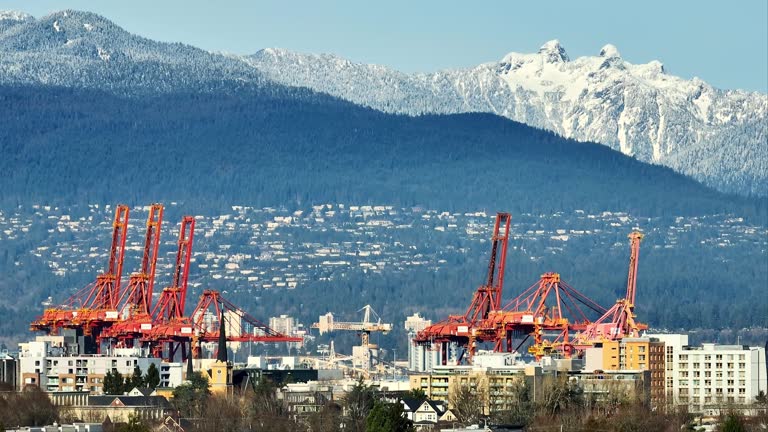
x=130, y=401
x=146, y=391
x=412, y=404
x=438, y=408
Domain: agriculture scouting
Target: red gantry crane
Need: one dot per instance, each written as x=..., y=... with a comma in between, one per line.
x=548, y=307
x=170, y=328
x=125, y=317
x=619, y=321
x=239, y=326
x=94, y=307
x=136, y=300
x=460, y=329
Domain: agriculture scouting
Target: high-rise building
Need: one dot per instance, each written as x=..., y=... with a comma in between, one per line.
x=420, y=359
x=289, y=326
x=284, y=324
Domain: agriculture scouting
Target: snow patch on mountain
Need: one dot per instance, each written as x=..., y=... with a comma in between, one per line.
x=81, y=49
x=716, y=136
x=12, y=15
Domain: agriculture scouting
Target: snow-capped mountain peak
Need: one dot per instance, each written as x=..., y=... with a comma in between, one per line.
x=716, y=136
x=553, y=52
x=609, y=51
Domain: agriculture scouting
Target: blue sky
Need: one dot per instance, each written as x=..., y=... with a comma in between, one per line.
x=724, y=43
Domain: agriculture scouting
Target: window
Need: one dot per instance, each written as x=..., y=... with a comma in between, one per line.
x=741, y=357
x=684, y=357
x=742, y=365
x=707, y=374
x=707, y=357
x=697, y=365
x=707, y=365
x=696, y=374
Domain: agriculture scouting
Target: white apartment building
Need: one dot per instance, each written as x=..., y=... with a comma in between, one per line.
x=712, y=376
x=45, y=363
x=420, y=359
x=284, y=324
x=289, y=326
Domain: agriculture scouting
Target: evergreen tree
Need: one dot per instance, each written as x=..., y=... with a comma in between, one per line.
x=152, y=379
x=136, y=380
x=359, y=402
x=190, y=397
x=387, y=417
x=114, y=384
x=733, y=422
x=417, y=394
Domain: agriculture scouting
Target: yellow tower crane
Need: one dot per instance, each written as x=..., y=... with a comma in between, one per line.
x=371, y=323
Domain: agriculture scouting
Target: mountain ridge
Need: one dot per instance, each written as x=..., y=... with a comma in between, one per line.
x=717, y=137
x=639, y=110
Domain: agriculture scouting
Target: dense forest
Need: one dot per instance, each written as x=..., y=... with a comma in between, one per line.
x=275, y=146
x=279, y=146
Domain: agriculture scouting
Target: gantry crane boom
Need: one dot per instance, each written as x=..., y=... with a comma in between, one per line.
x=459, y=329
x=634, y=258
x=106, y=293
x=138, y=293
x=488, y=296
x=619, y=320
x=173, y=298
x=93, y=307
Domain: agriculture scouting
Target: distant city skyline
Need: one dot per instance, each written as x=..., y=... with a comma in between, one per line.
x=725, y=44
